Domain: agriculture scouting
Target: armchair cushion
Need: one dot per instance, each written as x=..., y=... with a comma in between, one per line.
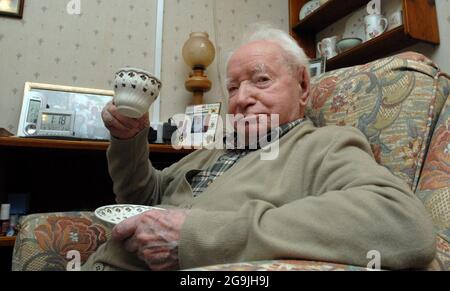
x=45, y=239
x=393, y=101
x=434, y=184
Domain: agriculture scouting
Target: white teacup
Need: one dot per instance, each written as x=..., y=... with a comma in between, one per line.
x=376, y=24
x=327, y=47
x=135, y=91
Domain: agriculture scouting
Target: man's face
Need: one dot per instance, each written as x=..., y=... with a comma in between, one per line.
x=260, y=82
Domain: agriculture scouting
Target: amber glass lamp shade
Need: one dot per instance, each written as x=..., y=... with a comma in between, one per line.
x=198, y=51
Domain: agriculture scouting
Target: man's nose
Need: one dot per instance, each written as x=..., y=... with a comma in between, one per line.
x=245, y=95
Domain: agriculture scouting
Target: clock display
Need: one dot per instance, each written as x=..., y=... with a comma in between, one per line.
x=56, y=121
x=33, y=111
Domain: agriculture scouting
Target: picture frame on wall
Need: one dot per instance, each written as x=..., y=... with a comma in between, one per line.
x=12, y=8
x=317, y=66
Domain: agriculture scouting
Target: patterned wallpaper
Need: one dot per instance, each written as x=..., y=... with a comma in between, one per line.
x=224, y=21
x=353, y=24
x=50, y=46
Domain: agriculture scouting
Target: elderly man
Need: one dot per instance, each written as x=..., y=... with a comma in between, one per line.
x=324, y=198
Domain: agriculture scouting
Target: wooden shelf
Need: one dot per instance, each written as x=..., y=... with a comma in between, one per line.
x=77, y=145
x=7, y=241
x=420, y=24
x=334, y=10
x=372, y=49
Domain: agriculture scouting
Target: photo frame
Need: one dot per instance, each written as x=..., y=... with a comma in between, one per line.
x=317, y=66
x=199, y=126
x=86, y=104
x=12, y=8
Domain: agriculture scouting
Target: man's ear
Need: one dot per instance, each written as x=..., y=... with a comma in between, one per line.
x=304, y=86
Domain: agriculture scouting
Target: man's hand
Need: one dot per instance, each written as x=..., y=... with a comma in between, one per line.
x=154, y=237
x=120, y=126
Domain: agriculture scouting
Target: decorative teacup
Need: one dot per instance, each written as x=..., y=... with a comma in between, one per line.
x=135, y=91
x=327, y=47
x=376, y=24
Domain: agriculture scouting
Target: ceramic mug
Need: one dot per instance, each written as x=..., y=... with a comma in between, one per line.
x=327, y=47
x=376, y=24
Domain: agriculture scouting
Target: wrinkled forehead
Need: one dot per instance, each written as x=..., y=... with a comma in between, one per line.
x=250, y=68
x=254, y=58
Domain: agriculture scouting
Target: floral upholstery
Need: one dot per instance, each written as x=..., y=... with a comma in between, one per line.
x=45, y=239
x=434, y=184
x=398, y=102
x=392, y=101
x=281, y=265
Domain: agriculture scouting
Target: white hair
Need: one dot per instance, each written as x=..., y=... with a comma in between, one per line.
x=294, y=54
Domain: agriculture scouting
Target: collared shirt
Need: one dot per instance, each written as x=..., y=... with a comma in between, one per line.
x=203, y=179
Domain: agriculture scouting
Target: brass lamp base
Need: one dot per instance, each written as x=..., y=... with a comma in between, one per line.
x=198, y=83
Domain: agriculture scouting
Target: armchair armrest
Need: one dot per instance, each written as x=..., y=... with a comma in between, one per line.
x=434, y=183
x=44, y=240
x=280, y=265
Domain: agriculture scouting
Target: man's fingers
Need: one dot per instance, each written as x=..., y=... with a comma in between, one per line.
x=112, y=123
x=157, y=255
x=144, y=121
x=126, y=228
x=144, y=118
x=158, y=260
x=131, y=244
x=129, y=123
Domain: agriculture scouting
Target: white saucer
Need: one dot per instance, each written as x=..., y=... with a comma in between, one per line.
x=115, y=214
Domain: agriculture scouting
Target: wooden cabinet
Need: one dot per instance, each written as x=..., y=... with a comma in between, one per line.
x=63, y=175
x=419, y=24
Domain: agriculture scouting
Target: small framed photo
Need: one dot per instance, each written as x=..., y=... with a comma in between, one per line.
x=317, y=66
x=198, y=128
x=54, y=110
x=11, y=8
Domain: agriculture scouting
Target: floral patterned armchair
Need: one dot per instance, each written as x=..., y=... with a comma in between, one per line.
x=400, y=103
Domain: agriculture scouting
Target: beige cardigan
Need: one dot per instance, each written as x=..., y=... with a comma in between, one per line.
x=324, y=199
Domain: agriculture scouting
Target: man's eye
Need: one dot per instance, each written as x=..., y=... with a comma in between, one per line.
x=232, y=89
x=262, y=79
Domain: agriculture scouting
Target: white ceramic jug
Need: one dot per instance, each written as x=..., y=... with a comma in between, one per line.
x=376, y=24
